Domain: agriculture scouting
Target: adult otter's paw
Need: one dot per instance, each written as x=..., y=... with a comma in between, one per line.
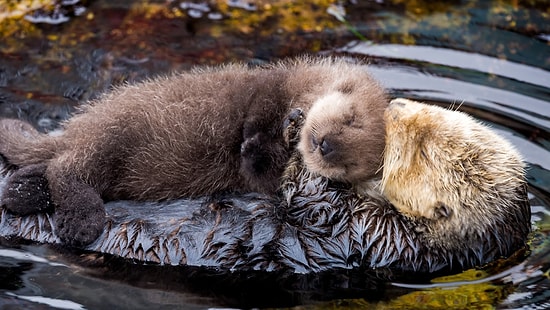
x=291, y=127
x=26, y=191
x=80, y=217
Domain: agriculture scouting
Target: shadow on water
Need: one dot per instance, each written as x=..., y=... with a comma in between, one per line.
x=487, y=58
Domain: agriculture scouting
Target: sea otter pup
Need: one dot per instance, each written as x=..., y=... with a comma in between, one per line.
x=191, y=134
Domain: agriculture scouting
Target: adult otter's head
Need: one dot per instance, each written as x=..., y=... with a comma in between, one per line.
x=442, y=163
x=343, y=133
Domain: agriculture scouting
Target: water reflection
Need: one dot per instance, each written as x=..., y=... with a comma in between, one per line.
x=35, y=276
x=453, y=58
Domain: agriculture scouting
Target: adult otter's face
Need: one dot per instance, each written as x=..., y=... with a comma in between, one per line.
x=443, y=163
x=343, y=136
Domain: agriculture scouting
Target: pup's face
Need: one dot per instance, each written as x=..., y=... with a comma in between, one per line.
x=343, y=137
x=439, y=162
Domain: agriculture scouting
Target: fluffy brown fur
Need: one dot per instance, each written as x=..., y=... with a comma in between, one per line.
x=446, y=167
x=341, y=135
x=186, y=135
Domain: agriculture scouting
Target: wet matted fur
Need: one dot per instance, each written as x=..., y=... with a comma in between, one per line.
x=317, y=225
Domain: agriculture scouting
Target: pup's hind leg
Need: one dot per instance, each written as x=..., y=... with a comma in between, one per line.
x=26, y=191
x=79, y=210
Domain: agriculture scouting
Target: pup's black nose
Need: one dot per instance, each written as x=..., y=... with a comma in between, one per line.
x=325, y=148
x=324, y=145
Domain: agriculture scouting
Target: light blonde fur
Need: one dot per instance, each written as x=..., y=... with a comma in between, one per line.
x=443, y=163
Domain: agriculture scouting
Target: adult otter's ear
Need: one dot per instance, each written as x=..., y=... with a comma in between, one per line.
x=27, y=192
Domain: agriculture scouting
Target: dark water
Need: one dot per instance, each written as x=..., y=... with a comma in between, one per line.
x=488, y=58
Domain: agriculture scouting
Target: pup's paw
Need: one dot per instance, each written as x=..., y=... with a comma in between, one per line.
x=291, y=127
x=26, y=191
